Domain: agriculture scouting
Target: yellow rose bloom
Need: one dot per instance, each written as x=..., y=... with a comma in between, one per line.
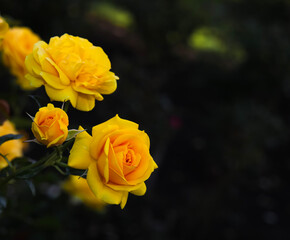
x=79, y=188
x=3, y=27
x=50, y=126
x=71, y=68
x=117, y=158
x=17, y=44
x=12, y=148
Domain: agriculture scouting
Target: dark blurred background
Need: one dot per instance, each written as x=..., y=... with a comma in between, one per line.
x=209, y=81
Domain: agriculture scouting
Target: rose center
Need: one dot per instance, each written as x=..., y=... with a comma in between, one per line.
x=129, y=158
x=47, y=121
x=87, y=80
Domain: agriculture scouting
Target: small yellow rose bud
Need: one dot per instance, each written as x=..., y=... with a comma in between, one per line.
x=50, y=126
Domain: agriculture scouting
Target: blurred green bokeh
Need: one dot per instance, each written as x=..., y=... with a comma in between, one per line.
x=112, y=13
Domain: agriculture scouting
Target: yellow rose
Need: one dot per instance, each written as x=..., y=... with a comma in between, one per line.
x=17, y=44
x=79, y=188
x=117, y=158
x=50, y=126
x=71, y=68
x=3, y=27
x=12, y=148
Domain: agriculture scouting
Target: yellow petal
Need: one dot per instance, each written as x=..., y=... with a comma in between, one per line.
x=52, y=80
x=57, y=133
x=46, y=66
x=62, y=77
x=102, y=191
x=85, y=102
x=116, y=122
x=122, y=123
x=79, y=155
x=87, y=91
x=32, y=66
x=132, y=136
x=140, y=191
x=42, y=58
x=116, y=163
x=103, y=164
x=56, y=141
x=101, y=58
x=33, y=81
x=141, y=175
x=62, y=94
x=99, y=141
x=124, y=200
x=39, y=51
x=108, y=83
x=36, y=131
x=127, y=188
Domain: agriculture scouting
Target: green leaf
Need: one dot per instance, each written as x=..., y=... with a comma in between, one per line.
x=73, y=133
x=9, y=137
x=31, y=172
x=32, y=140
x=20, y=162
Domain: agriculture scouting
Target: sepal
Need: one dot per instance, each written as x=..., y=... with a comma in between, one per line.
x=72, y=133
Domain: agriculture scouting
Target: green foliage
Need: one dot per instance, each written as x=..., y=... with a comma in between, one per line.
x=113, y=14
x=9, y=137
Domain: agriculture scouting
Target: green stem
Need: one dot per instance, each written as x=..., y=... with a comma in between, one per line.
x=72, y=171
x=62, y=164
x=59, y=170
x=66, y=106
x=53, y=159
x=44, y=162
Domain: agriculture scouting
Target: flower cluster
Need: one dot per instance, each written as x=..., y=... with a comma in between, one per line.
x=104, y=166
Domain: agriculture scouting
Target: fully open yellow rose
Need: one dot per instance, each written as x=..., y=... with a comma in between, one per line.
x=50, y=126
x=17, y=44
x=12, y=148
x=79, y=188
x=117, y=158
x=71, y=68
